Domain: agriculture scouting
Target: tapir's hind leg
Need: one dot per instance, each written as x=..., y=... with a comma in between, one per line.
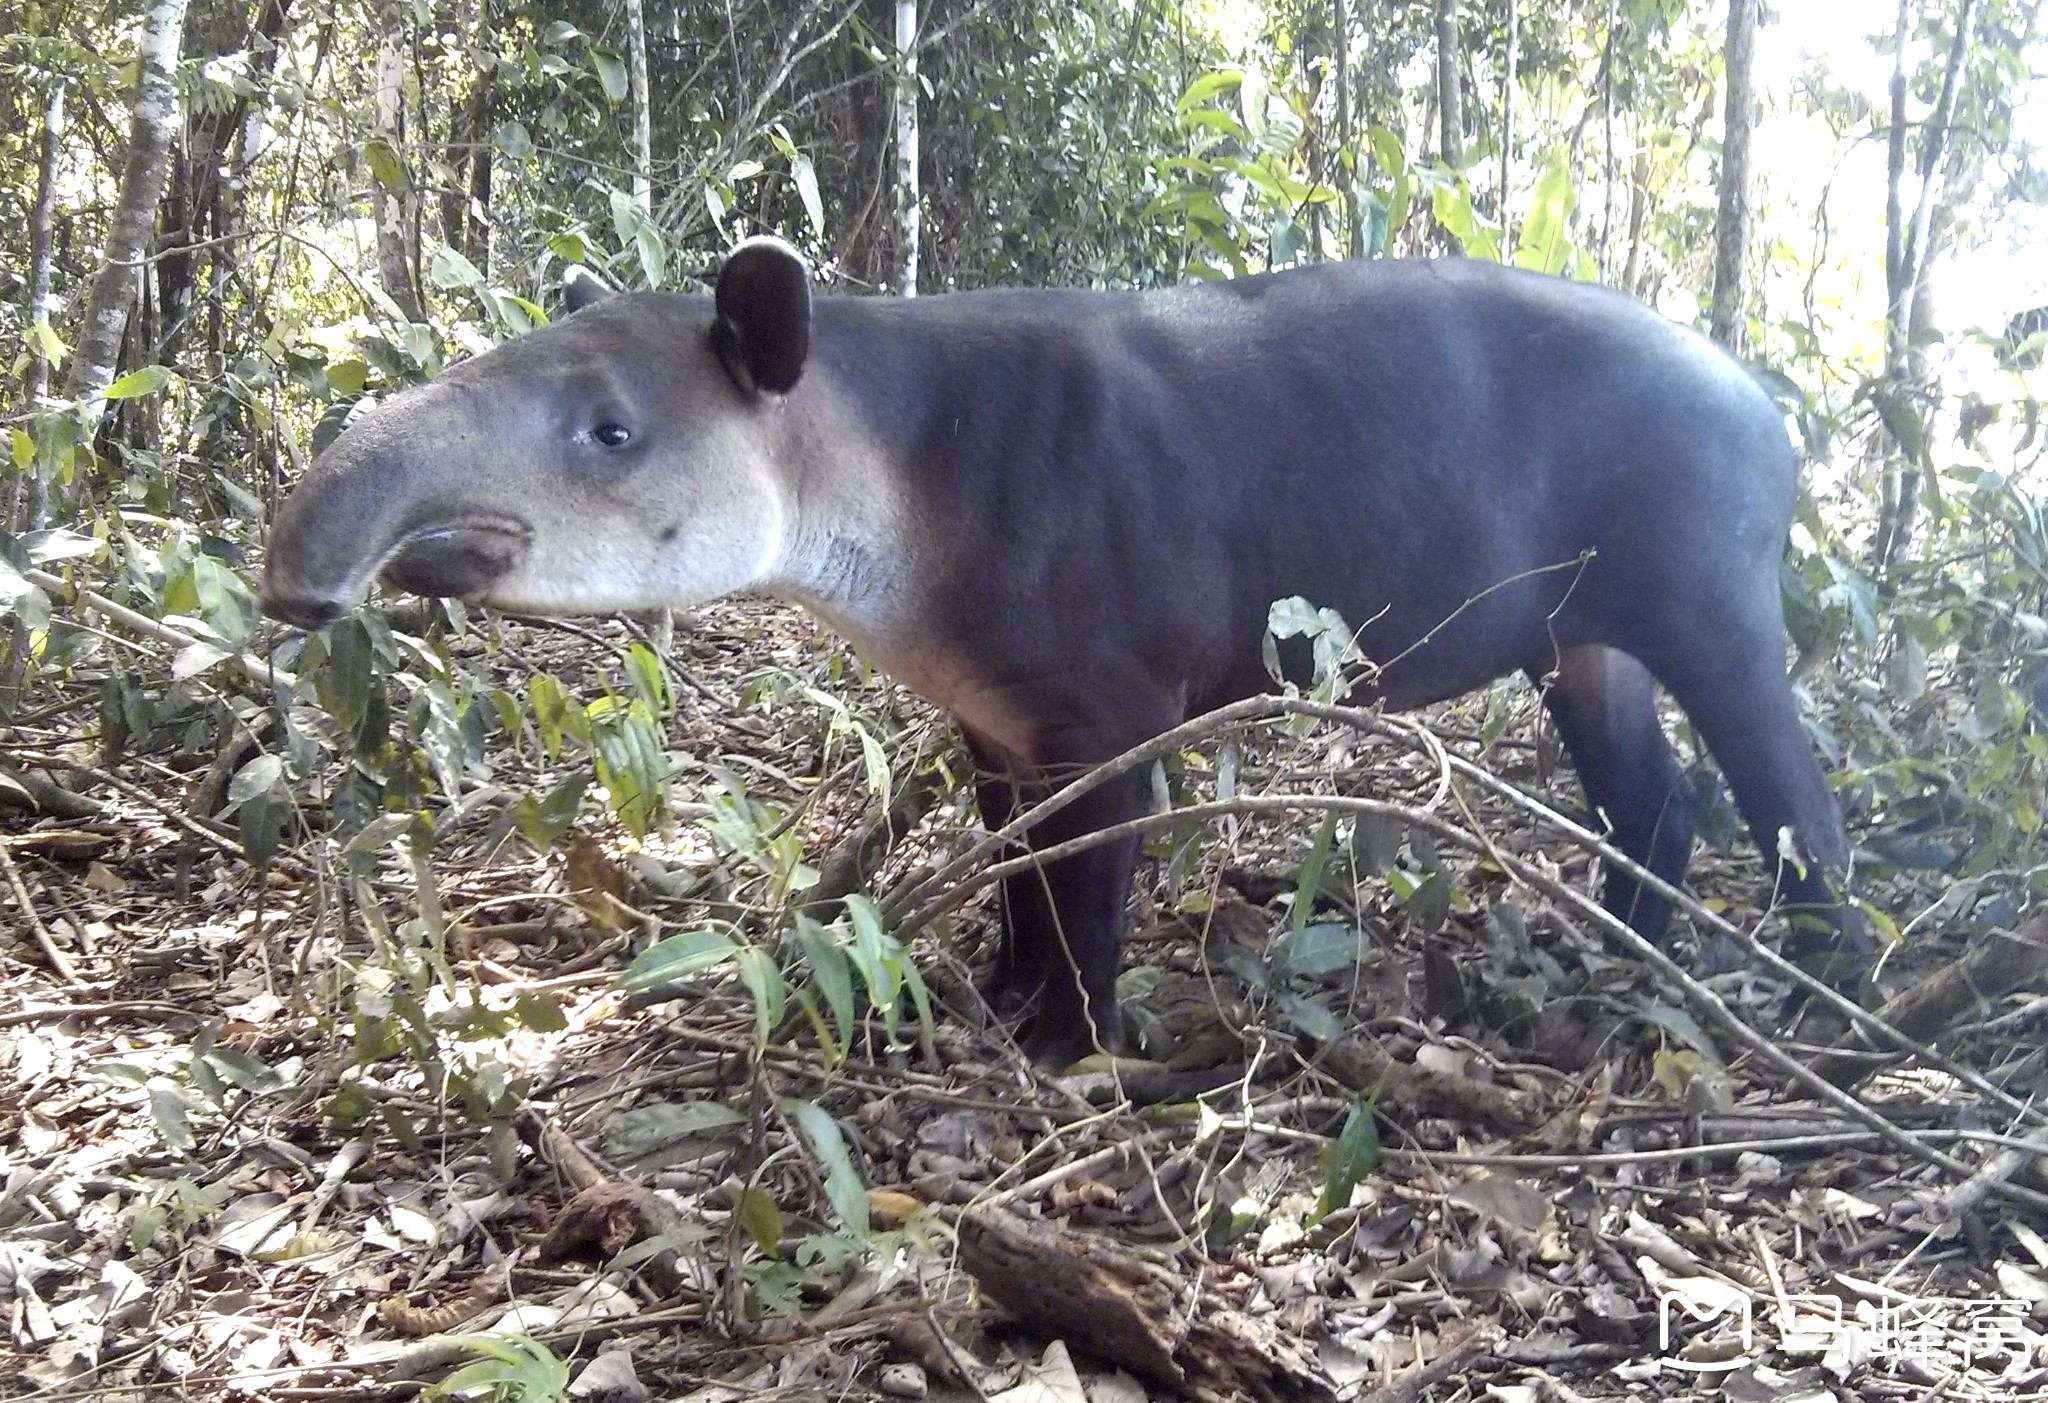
x=1605, y=705
x=1731, y=683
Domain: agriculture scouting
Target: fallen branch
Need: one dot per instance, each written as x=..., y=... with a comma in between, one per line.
x=1967, y=988
x=20, y=789
x=1364, y=1067
x=851, y=866
x=1153, y=1320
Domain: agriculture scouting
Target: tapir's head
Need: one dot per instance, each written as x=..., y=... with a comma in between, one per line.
x=622, y=458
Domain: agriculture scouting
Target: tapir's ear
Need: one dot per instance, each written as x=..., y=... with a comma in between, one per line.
x=764, y=315
x=582, y=288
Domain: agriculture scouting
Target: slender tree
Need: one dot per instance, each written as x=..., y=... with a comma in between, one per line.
x=643, y=106
x=152, y=134
x=909, y=206
x=1507, y=117
x=1449, y=94
x=1908, y=250
x=41, y=226
x=1731, y=223
x=392, y=199
x=1347, y=160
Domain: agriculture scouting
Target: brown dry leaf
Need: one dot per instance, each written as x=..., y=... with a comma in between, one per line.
x=890, y=1208
x=599, y=885
x=404, y=1317
x=1082, y=1193
x=102, y=878
x=1507, y=1199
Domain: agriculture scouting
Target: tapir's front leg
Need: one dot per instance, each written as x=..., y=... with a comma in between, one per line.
x=1063, y=923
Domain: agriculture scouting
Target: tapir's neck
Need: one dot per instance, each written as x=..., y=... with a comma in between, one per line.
x=847, y=552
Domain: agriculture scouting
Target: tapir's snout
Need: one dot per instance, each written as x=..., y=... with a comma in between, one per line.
x=402, y=495
x=300, y=612
x=458, y=561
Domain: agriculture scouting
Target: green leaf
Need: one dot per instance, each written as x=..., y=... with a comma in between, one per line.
x=611, y=72
x=831, y=970
x=806, y=178
x=542, y=820
x=450, y=269
x=347, y=379
x=171, y=1109
x=1309, y=1018
x=653, y=253
x=59, y=544
x=758, y=971
x=1210, y=85
x=385, y=167
x=137, y=383
x=1355, y=1154
x=245, y=1071
x=195, y=658
x=514, y=140
x=22, y=448
x=1310, y=884
x=842, y=1181
x=678, y=957
x=47, y=344
x=1545, y=241
x=638, y=1132
x=260, y=776
x=761, y=1219
x=1323, y=948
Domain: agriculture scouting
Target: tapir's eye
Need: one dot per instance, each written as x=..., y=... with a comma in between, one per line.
x=612, y=435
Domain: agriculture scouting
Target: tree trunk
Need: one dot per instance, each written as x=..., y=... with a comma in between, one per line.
x=1607, y=146
x=1507, y=122
x=1450, y=99
x=1895, y=158
x=909, y=209
x=392, y=207
x=34, y=504
x=1347, y=159
x=1638, y=212
x=151, y=133
x=41, y=223
x=1908, y=251
x=643, y=107
x=1731, y=224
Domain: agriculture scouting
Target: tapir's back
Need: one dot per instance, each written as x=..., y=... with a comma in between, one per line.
x=1491, y=461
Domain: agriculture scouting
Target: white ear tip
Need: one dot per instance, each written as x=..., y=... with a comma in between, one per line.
x=581, y=287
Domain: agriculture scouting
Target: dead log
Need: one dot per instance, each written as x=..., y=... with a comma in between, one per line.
x=1417, y=1091
x=1130, y=1311
x=1957, y=992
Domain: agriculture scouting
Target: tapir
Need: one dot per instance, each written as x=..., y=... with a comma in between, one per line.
x=1063, y=516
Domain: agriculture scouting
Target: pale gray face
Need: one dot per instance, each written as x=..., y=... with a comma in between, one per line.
x=621, y=458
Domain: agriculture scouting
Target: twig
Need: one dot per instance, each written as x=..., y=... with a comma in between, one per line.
x=258, y=671
x=1253, y=710
x=59, y=961
x=57, y=1013
x=1701, y=997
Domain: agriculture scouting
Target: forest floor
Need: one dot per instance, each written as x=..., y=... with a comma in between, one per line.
x=247, y=1147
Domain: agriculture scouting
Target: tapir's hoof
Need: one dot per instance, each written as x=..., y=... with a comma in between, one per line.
x=1840, y=956
x=1057, y=1043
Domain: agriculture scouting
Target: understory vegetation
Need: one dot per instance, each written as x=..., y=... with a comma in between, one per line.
x=455, y=1002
